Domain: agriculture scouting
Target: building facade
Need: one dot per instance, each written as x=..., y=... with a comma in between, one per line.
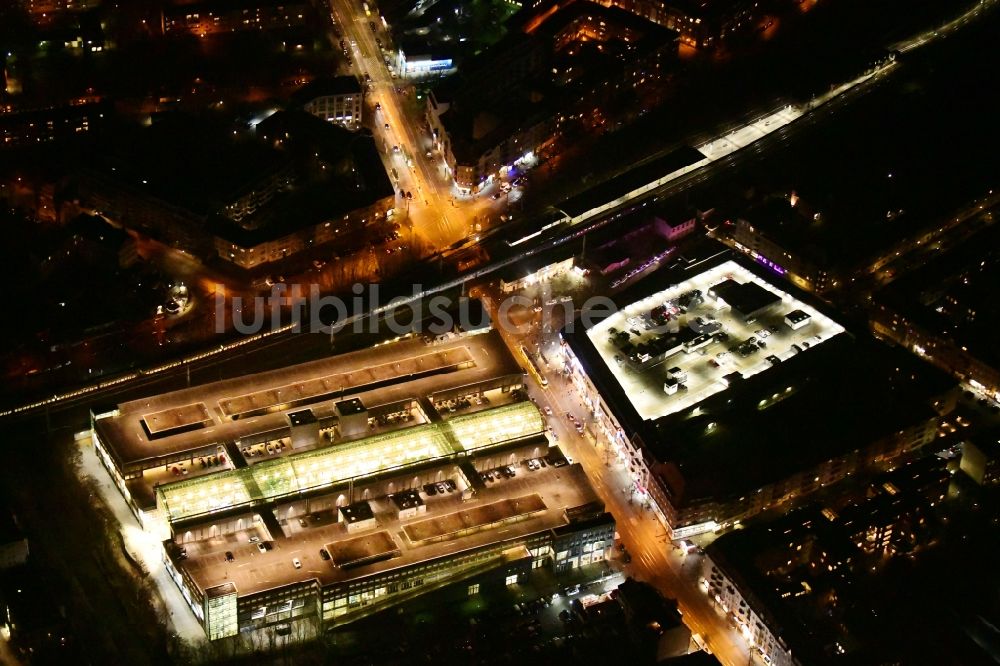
x=337, y=100
x=221, y=16
x=700, y=24
x=949, y=355
x=253, y=255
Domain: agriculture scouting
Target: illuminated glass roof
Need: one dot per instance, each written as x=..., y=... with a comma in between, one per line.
x=319, y=468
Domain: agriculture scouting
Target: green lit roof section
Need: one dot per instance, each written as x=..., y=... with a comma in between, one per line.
x=496, y=426
x=208, y=494
x=328, y=466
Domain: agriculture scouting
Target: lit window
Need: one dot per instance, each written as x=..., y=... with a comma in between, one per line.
x=473, y=589
x=511, y=580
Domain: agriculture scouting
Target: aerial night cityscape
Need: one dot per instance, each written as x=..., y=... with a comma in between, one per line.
x=620, y=332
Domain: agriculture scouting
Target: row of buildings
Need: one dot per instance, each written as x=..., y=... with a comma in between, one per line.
x=562, y=61
x=320, y=493
x=553, y=65
x=797, y=586
x=208, y=17
x=945, y=313
x=939, y=309
x=301, y=179
x=303, y=176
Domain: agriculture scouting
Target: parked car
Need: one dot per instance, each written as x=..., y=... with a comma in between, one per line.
x=229, y=556
x=296, y=563
x=325, y=555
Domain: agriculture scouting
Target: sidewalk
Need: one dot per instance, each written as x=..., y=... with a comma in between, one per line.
x=142, y=547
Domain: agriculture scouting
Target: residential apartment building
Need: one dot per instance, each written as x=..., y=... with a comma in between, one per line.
x=210, y=17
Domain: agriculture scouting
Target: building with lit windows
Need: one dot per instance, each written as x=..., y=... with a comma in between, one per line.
x=298, y=183
x=416, y=58
x=423, y=496
x=554, y=63
x=700, y=23
x=897, y=513
x=338, y=100
x=707, y=394
x=44, y=12
x=945, y=312
x=778, y=591
x=208, y=17
x=981, y=458
x=35, y=127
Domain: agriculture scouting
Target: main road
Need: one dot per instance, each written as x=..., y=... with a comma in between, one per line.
x=434, y=213
x=655, y=559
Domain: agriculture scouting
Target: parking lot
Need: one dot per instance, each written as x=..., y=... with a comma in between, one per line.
x=240, y=558
x=735, y=346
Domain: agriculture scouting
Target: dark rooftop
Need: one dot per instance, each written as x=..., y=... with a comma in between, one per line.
x=324, y=86
x=301, y=417
x=746, y=298
x=954, y=295
x=187, y=161
x=699, y=658
x=624, y=183
x=406, y=499
x=357, y=512
x=842, y=395
x=350, y=406
x=796, y=316
x=354, y=178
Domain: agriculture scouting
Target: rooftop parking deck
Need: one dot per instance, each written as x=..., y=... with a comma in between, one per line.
x=379, y=375
x=554, y=490
x=701, y=372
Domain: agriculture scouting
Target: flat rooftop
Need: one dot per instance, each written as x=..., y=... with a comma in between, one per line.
x=705, y=372
x=384, y=374
x=844, y=395
x=352, y=406
x=301, y=417
x=451, y=524
x=326, y=387
x=174, y=419
x=364, y=548
x=251, y=571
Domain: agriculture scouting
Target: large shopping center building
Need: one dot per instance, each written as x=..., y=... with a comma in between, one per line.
x=326, y=491
x=726, y=392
